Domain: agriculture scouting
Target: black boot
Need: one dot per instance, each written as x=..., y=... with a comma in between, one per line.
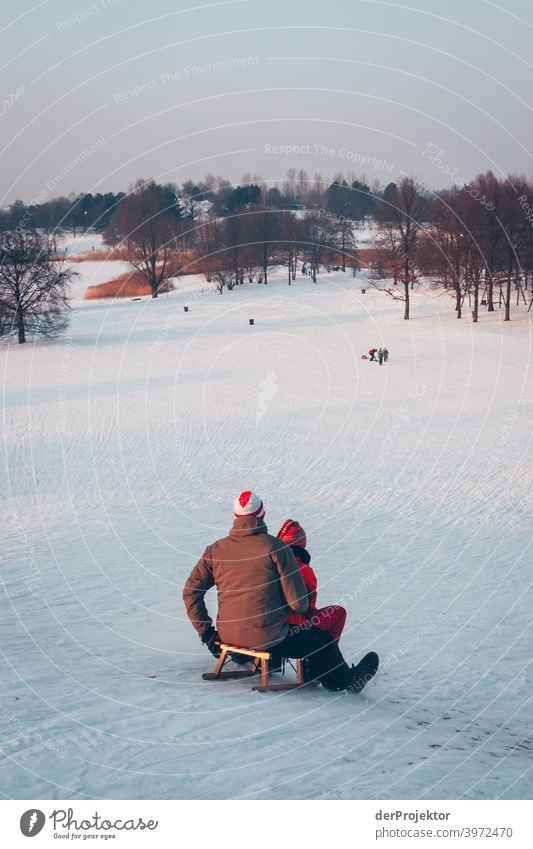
x=307, y=669
x=275, y=664
x=363, y=672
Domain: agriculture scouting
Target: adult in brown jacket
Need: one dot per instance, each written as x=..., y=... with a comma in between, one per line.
x=259, y=582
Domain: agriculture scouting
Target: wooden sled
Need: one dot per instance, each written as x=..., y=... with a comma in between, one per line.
x=260, y=661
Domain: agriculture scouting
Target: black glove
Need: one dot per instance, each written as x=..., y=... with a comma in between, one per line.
x=211, y=639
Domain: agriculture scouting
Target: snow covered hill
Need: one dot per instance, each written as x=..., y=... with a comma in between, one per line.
x=124, y=446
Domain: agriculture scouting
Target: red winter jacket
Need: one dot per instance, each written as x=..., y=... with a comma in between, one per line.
x=293, y=535
x=303, y=561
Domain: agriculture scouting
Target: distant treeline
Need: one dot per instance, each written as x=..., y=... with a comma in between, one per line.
x=475, y=239
x=77, y=213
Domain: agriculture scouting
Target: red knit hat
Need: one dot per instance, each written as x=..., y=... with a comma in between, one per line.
x=248, y=504
x=292, y=533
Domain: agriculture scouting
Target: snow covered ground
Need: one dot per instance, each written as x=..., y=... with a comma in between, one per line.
x=365, y=236
x=124, y=446
x=81, y=243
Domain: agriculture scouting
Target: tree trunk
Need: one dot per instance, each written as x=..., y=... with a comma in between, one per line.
x=406, y=283
x=458, y=300
x=490, y=295
x=508, y=298
x=265, y=264
x=475, y=311
x=20, y=326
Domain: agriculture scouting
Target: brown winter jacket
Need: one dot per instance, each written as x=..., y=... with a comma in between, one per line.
x=258, y=581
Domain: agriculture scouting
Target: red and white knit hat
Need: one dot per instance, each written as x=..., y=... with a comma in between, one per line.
x=292, y=533
x=248, y=504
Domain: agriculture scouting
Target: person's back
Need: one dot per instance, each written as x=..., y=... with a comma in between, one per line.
x=258, y=581
x=251, y=570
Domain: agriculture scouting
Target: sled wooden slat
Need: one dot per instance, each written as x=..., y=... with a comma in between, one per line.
x=248, y=652
x=260, y=661
x=227, y=675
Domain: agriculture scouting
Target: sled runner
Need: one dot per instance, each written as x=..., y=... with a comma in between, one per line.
x=260, y=661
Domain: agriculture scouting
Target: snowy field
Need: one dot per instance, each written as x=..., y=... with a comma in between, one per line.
x=124, y=446
x=81, y=243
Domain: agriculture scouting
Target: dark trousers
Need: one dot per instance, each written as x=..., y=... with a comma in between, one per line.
x=324, y=656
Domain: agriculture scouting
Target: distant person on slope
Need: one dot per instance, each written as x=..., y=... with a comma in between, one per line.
x=380, y=356
x=330, y=619
x=259, y=583
x=385, y=355
x=373, y=352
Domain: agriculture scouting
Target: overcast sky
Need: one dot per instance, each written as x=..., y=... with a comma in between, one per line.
x=96, y=94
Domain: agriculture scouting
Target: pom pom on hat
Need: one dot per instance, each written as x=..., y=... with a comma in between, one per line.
x=248, y=504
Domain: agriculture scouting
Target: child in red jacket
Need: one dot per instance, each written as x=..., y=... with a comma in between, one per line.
x=330, y=619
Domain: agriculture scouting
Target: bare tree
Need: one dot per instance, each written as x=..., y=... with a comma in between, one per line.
x=302, y=187
x=232, y=240
x=443, y=250
x=33, y=285
x=485, y=190
x=191, y=199
x=263, y=231
x=346, y=240
x=223, y=277
x=147, y=219
x=208, y=242
x=399, y=225
x=319, y=239
x=516, y=233
x=315, y=195
x=290, y=185
x=480, y=269
x=288, y=239
x=526, y=254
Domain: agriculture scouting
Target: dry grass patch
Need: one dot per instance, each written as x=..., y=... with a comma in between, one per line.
x=129, y=285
